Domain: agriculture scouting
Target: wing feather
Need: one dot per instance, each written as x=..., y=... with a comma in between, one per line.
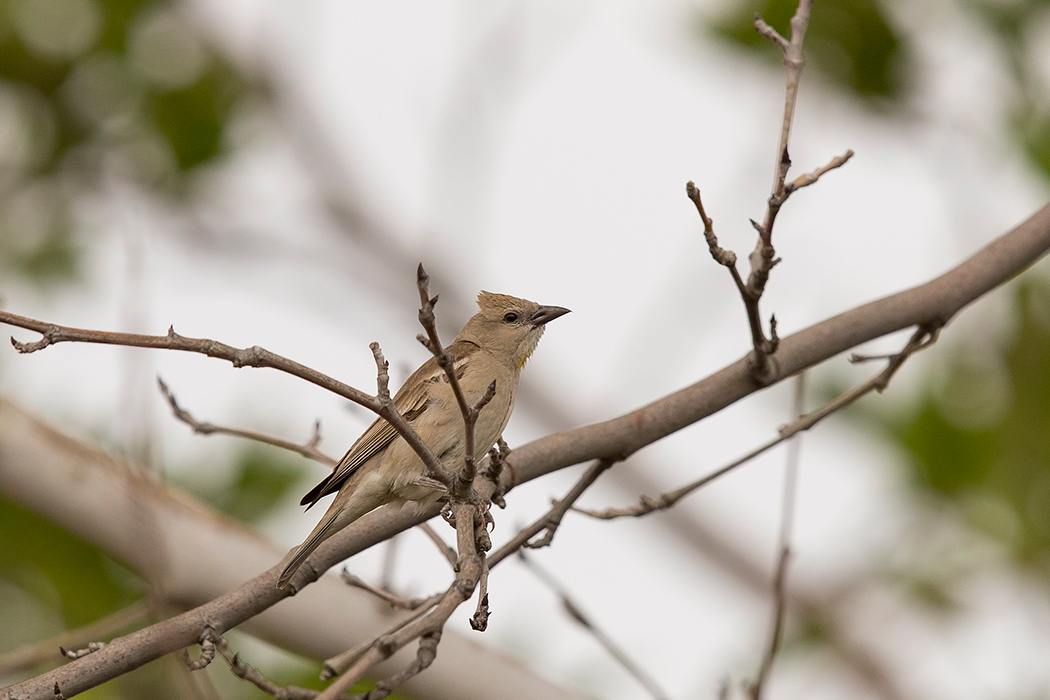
x=411, y=400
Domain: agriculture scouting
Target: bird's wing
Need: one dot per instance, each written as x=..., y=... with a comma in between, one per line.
x=411, y=401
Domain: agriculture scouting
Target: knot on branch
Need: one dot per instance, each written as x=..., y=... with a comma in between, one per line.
x=386, y=645
x=480, y=620
x=91, y=648
x=47, y=338
x=207, y=641
x=764, y=368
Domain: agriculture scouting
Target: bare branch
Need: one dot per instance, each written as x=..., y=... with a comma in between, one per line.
x=253, y=676
x=308, y=450
x=425, y=656
x=768, y=31
x=807, y=179
x=341, y=662
x=786, y=523
x=763, y=257
x=550, y=520
x=470, y=571
x=254, y=356
x=726, y=258
x=919, y=340
x=480, y=620
x=576, y=613
x=384, y=595
x=445, y=361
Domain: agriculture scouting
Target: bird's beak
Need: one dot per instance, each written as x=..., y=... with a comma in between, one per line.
x=545, y=314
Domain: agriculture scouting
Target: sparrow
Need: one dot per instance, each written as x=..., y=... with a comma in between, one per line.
x=381, y=468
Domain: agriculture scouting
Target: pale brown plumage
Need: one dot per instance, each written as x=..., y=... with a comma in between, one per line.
x=381, y=468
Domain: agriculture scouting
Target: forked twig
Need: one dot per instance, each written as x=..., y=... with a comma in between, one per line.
x=384, y=595
x=550, y=520
x=436, y=610
x=763, y=258
x=444, y=359
x=307, y=449
x=922, y=338
x=425, y=626
x=255, y=356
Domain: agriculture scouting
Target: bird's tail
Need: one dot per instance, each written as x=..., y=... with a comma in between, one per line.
x=323, y=530
x=333, y=521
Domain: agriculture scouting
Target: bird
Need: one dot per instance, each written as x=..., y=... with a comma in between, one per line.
x=381, y=468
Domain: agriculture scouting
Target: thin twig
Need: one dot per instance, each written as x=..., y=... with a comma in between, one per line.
x=772, y=34
x=470, y=568
x=254, y=356
x=341, y=662
x=444, y=359
x=435, y=469
x=921, y=339
x=382, y=593
x=727, y=259
x=30, y=655
x=763, y=258
x=807, y=179
x=464, y=493
x=597, y=632
x=786, y=525
x=255, y=677
x=308, y=449
x=480, y=620
x=550, y=520
x=425, y=656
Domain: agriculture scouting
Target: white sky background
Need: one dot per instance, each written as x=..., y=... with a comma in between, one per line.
x=541, y=149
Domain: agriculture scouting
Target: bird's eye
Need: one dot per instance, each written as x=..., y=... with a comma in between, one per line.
x=510, y=317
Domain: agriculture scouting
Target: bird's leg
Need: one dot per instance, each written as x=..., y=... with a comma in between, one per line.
x=497, y=461
x=484, y=515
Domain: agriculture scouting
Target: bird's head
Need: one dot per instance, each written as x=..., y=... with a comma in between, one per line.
x=509, y=327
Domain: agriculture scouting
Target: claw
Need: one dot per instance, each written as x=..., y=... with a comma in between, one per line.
x=447, y=515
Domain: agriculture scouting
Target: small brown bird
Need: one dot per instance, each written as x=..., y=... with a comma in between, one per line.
x=381, y=468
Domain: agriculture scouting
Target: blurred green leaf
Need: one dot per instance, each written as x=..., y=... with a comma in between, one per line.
x=62, y=571
x=1033, y=133
x=852, y=42
x=261, y=482
x=982, y=439
x=87, y=87
x=193, y=119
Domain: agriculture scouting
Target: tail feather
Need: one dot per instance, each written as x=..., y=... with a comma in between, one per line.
x=339, y=515
x=322, y=532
